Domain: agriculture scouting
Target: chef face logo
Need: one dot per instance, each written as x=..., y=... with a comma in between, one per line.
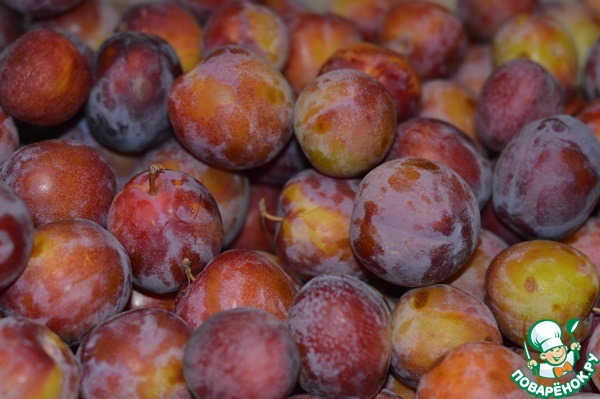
x=556, y=361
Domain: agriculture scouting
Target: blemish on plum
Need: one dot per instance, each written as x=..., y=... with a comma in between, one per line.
x=421, y=299
x=531, y=284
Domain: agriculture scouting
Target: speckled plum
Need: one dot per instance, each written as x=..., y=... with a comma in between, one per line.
x=233, y=110
x=429, y=321
x=537, y=280
x=441, y=142
x=231, y=190
x=241, y=353
x=127, y=108
x=547, y=179
x=61, y=179
x=516, y=93
x=77, y=276
x=344, y=121
x=135, y=354
x=415, y=222
x=163, y=217
x=342, y=328
x=541, y=39
x=16, y=235
x=36, y=363
x=233, y=279
x=313, y=238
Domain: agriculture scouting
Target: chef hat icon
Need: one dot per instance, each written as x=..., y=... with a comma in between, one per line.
x=545, y=335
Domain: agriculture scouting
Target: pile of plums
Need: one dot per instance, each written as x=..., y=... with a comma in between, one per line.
x=296, y=199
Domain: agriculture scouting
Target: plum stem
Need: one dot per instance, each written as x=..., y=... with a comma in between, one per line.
x=186, y=264
x=155, y=169
x=264, y=216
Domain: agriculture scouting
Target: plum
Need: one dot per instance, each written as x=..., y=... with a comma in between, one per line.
x=429, y=35
x=516, y=93
x=236, y=278
x=547, y=179
x=537, y=280
x=429, y=321
x=36, y=363
x=366, y=14
x=241, y=353
x=135, y=354
x=441, y=142
x=11, y=27
x=253, y=26
x=172, y=22
x=475, y=370
x=342, y=328
x=312, y=238
x=233, y=110
x=415, y=222
x=344, y=121
x=475, y=68
x=77, y=276
x=313, y=39
x=163, y=217
x=127, y=108
x=587, y=240
x=451, y=102
x=40, y=9
x=390, y=69
x=16, y=235
x=61, y=179
x=541, y=39
x=44, y=79
x=231, y=190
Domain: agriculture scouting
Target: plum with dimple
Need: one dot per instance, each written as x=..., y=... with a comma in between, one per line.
x=415, y=222
x=127, y=107
x=342, y=328
x=547, y=179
